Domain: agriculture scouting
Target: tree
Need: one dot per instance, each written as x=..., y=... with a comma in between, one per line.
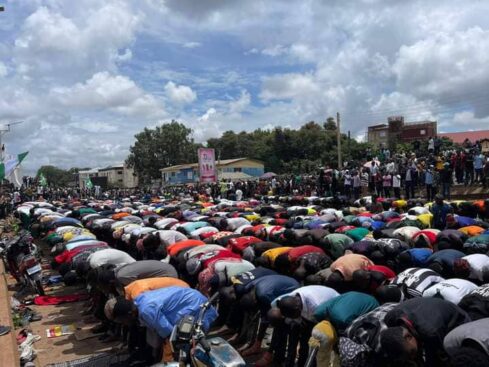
x=56, y=176
x=330, y=124
x=166, y=145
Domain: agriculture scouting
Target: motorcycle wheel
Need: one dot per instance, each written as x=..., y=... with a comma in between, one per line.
x=39, y=288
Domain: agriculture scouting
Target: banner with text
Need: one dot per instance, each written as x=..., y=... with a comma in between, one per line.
x=207, y=165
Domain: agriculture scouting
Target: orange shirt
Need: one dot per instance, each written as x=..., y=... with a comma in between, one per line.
x=472, y=231
x=348, y=263
x=174, y=249
x=144, y=285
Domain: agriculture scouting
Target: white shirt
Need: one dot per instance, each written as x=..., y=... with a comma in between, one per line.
x=396, y=181
x=312, y=296
x=239, y=195
x=109, y=256
x=452, y=290
x=164, y=222
x=196, y=234
x=235, y=223
x=170, y=237
x=479, y=263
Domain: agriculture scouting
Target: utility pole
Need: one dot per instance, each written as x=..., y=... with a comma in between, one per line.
x=338, y=140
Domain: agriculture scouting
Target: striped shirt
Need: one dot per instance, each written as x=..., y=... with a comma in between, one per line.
x=415, y=281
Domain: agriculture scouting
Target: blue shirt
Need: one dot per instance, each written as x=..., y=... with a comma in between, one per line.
x=428, y=178
x=269, y=287
x=478, y=161
x=446, y=257
x=420, y=256
x=163, y=308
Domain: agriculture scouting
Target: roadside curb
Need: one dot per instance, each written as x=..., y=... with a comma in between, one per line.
x=9, y=355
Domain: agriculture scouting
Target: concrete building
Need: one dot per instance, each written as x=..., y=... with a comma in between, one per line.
x=398, y=131
x=119, y=176
x=189, y=173
x=84, y=175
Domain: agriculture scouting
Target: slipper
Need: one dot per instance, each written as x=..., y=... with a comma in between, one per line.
x=4, y=329
x=21, y=336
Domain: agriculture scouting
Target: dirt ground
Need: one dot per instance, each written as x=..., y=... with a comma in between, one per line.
x=67, y=348
x=63, y=348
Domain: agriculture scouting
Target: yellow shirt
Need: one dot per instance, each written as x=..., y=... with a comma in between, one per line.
x=273, y=253
x=426, y=219
x=144, y=285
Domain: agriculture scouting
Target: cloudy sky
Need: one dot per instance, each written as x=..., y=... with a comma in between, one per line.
x=86, y=75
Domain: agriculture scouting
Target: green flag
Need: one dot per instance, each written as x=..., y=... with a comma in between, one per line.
x=88, y=183
x=7, y=167
x=42, y=180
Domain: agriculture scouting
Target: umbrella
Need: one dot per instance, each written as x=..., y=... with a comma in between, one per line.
x=268, y=175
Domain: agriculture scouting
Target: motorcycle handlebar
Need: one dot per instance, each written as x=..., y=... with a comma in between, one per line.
x=205, y=344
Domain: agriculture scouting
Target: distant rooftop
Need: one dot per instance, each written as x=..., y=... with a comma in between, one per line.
x=222, y=162
x=472, y=136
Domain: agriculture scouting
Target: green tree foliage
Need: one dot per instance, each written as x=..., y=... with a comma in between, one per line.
x=330, y=124
x=166, y=145
x=58, y=177
x=285, y=150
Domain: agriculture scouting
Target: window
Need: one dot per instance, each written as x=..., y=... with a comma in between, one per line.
x=422, y=132
x=119, y=172
x=173, y=174
x=382, y=134
x=189, y=175
x=237, y=169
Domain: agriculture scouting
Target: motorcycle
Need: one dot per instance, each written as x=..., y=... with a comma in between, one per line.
x=192, y=348
x=22, y=259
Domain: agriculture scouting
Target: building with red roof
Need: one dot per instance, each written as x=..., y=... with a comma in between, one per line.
x=461, y=137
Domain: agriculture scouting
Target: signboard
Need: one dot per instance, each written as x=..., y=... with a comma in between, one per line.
x=207, y=165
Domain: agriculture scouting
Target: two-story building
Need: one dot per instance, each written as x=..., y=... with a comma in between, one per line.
x=118, y=175
x=233, y=169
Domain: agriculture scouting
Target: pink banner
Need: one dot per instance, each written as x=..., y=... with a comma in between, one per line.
x=207, y=165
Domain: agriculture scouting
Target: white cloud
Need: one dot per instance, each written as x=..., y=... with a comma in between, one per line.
x=288, y=86
x=241, y=103
x=180, y=94
x=192, y=44
x=106, y=91
x=54, y=44
x=3, y=70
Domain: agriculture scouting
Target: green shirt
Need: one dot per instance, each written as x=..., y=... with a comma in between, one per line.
x=337, y=243
x=342, y=310
x=357, y=234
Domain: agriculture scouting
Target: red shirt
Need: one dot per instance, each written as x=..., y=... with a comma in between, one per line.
x=429, y=234
x=237, y=245
x=66, y=255
x=217, y=255
x=297, y=252
x=388, y=272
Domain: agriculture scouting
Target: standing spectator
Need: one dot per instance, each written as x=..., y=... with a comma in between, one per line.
x=469, y=169
x=378, y=179
x=396, y=184
x=365, y=182
x=459, y=167
x=478, y=166
x=428, y=181
x=347, y=184
x=387, y=184
x=446, y=180
x=408, y=183
x=357, y=184
x=431, y=145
